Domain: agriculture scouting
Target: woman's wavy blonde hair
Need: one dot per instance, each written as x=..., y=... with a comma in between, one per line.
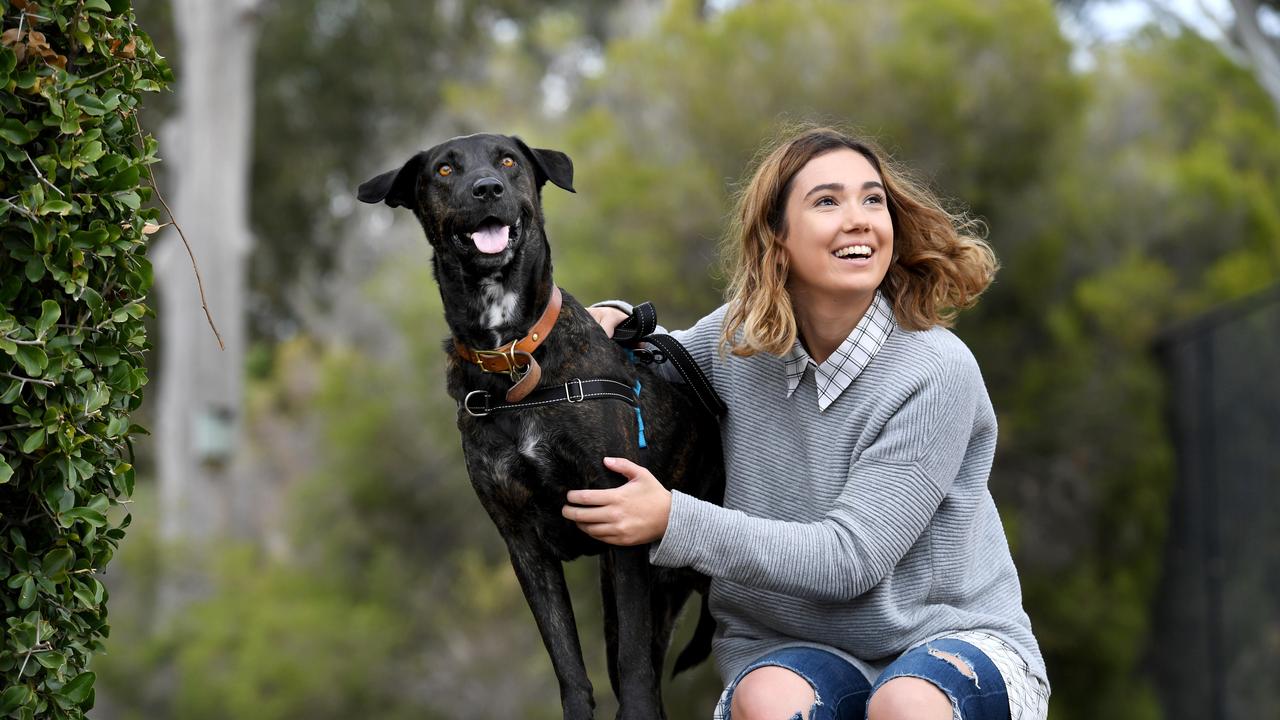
x=941, y=262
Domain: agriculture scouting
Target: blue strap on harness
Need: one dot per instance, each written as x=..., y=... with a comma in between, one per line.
x=639, y=417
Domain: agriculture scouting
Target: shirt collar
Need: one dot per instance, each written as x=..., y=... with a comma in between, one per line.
x=847, y=362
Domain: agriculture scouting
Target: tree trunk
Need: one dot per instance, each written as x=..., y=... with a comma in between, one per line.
x=201, y=386
x=1263, y=51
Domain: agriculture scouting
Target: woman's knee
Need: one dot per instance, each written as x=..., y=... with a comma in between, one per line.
x=771, y=693
x=908, y=697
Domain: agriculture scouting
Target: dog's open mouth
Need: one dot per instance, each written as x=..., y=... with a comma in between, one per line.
x=491, y=236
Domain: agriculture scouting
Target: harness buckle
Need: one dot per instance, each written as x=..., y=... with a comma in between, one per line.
x=476, y=412
x=568, y=393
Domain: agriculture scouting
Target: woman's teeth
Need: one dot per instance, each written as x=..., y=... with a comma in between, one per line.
x=860, y=251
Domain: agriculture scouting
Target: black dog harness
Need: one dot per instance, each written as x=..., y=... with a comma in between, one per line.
x=479, y=403
x=640, y=328
x=630, y=333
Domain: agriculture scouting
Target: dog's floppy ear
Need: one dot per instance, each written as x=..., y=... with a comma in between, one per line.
x=551, y=165
x=395, y=187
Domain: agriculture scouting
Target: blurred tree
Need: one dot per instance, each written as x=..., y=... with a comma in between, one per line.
x=1156, y=210
x=1248, y=33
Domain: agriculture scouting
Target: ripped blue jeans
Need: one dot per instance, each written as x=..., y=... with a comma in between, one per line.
x=842, y=692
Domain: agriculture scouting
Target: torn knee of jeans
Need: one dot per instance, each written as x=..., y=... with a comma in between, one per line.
x=959, y=662
x=817, y=699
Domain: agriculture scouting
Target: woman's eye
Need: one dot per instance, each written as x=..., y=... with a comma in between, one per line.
x=508, y=162
x=876, y=199
x=445, y=170
x=826, y=200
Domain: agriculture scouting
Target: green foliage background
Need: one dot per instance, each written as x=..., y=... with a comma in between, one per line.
x=73, y=285
x=1121, y=196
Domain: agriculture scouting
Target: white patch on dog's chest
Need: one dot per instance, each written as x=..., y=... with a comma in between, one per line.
x=529, y=438
x=499, y=303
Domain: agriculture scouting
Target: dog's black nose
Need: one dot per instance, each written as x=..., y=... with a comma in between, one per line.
x=487, y=188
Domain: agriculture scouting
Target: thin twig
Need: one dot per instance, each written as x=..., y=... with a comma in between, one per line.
x=16, y=341
x=199, y=283
x=31, y=650
x=48, y=383
x=22, y=210
x=40, y=175
x=18, y=426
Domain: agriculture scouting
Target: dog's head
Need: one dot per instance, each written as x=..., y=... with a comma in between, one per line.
x=478, y=197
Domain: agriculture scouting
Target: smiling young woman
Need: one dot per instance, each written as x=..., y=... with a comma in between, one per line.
x=859, y=566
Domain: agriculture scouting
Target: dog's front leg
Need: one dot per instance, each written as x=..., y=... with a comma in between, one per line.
x=639, y=694
x=541, y=578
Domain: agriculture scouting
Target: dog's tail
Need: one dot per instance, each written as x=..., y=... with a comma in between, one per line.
x=699, y=647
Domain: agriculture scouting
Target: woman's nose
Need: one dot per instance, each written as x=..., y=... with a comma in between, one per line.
x=855, y=220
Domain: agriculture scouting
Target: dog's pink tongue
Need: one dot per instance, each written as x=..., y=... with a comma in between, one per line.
x=491, y=239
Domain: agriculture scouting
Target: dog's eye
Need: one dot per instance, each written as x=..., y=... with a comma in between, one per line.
x=445, y=170
x=508, y=161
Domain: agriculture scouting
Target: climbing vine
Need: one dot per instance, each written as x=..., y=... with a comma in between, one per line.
x=73, y=287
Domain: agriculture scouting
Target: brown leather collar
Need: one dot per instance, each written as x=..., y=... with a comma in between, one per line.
x=516, y=357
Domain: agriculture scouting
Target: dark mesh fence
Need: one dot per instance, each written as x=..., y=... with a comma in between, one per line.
x=1215, y=648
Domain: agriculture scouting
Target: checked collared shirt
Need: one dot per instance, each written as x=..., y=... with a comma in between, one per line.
x=847, y=362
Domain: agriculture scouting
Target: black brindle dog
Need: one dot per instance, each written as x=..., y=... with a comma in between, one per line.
x=479, y=201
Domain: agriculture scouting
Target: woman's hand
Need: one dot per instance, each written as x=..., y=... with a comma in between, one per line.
x=632, y=514
x=608, y=317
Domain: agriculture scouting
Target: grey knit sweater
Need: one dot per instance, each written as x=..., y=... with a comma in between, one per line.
x=867, y=527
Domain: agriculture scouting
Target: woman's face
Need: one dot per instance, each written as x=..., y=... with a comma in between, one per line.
x=839, y=236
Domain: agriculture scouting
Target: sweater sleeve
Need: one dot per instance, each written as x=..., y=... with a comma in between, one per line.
x=893, y=489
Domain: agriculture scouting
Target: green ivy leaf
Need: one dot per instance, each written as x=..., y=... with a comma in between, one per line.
x=90, y=238
x=8, y=61
x=93, y=517
x=15, y=697
x=91, y=151
x=50, y=311
x=6, y=471
x=35, y=269
x=27, y=596
x=123, y=180
x=84, y=594
x=130, y=200
x=77, y=691
x=51, y=659
x=92, y=299
x=69, y=477
x=59, y=207
x=43, y=233
x=101, y=355
x=33, y=360
x=91, y=104
x=15, y=132
x=34, y=441
x=57, y=560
